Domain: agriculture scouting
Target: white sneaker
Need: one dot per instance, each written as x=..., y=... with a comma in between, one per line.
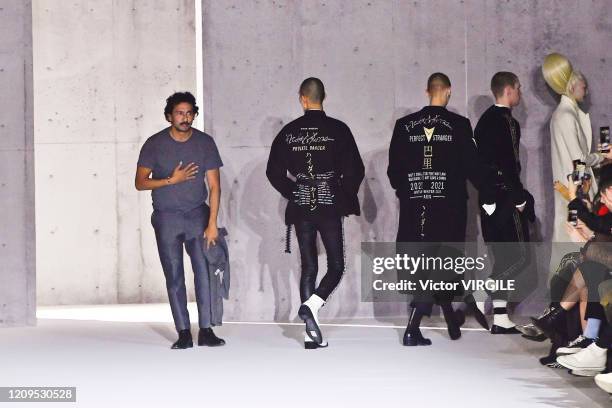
x=590, y=359
x=604, y=381
x=583, y=373
x=579, y=343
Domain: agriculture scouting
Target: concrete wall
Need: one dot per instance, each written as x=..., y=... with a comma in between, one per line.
x=17, y=231
x=374, y=57
x=102, y=72
x=101, y=80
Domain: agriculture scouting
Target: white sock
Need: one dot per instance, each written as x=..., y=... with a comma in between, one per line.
x=315, y=303
x=480, y=296
x=500, y=317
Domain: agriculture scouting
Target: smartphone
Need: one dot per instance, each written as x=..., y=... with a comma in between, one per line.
x=604, y=139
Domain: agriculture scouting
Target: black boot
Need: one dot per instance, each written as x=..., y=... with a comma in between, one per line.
x=184, y=341
x=206, y=337
x=454, y=320
x=313, y=345
x=412, y=335
x=476, y=312
x=551, y=321
x=415, y=338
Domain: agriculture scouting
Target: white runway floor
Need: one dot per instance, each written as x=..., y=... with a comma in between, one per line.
x=119, y=356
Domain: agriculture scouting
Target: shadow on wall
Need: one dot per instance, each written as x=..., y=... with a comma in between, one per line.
x=264, y=215
x=379, y=206
x=380, y=213
x=379, y=218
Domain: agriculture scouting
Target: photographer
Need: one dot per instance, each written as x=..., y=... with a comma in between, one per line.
x=590, y=356
x=580, y=294
x=579, y=205
x=584, y=226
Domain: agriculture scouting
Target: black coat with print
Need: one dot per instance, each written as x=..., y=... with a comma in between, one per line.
x=322, y=158
x=432, y=154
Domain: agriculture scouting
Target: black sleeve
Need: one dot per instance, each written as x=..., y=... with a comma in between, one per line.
x=601, y=224
x=507, y=163
x=351, y=166
x=396, y=171
x=469, y=155
x=276, y=169
x=475, y=170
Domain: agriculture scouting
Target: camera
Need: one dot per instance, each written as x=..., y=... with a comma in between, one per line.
x=604, y=139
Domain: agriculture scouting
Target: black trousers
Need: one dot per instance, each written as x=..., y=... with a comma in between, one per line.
x=605, y=336
x=423, y=300
x=594, y=274
x=332, y=236
x=506, y=233
x=423, y=226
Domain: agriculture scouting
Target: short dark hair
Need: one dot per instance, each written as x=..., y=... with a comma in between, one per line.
x=313, y=89
x=180, y=97
x=501, y=80
x=438, y=79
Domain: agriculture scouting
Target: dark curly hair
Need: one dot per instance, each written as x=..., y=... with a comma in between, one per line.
x=180, y=97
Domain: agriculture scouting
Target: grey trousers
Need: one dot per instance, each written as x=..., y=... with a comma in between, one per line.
x=173, y=229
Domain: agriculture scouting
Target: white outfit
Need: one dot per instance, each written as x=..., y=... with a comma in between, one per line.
x=571, y=139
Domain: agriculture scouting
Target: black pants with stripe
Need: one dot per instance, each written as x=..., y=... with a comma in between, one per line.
x=506, y=233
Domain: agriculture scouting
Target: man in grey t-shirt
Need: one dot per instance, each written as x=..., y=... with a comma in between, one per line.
x=174, y=164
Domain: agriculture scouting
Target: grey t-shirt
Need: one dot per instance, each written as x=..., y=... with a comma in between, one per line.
x=162, y=154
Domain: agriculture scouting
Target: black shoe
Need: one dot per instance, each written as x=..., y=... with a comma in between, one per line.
x=478, y=315
x=539, y=338
x=495, y=329
x=550, y=361
x=311, y=345
x=312, y=328
x=454, y=321
x=206, y=337
x=550, y=321
x=415, y=338
x=531, y=332
x=184, y=341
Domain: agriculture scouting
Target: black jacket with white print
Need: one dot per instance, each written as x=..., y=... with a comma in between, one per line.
x=315, y=164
